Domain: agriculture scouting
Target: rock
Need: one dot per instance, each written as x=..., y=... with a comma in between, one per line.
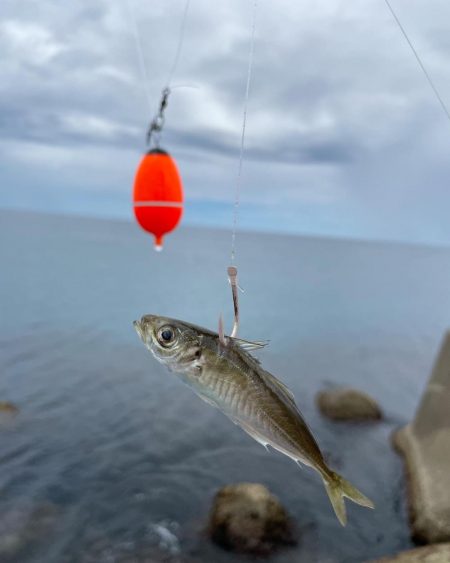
x=425, y=446
x=247, y=518
x=348, y=404
x=439, y=553
x=8, y=408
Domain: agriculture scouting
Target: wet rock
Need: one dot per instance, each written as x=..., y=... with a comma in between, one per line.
x=439, y=553
x=348, y=404
x=246, y=517
x=8, y=408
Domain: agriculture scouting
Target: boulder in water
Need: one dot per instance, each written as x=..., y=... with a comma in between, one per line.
x=246, y=517
x=348, y=405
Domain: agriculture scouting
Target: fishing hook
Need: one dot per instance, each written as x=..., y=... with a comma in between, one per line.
x=232, y=278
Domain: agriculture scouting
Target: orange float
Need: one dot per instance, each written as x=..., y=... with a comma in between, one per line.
x=158, y=195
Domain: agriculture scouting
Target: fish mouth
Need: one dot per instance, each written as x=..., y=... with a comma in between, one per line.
x=145, y=327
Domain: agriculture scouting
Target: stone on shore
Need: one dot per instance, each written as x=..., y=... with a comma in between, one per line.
x=439, y=553
x=347, y=404
x=247, y=518
x=425, y=447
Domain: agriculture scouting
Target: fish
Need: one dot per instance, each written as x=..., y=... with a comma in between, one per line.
x=222, y=372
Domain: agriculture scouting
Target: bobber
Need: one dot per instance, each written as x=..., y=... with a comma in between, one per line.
x=158, y=195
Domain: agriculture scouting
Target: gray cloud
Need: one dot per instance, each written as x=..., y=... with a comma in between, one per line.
x=340, y=118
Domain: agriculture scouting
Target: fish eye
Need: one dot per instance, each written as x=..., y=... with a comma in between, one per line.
x=166, y=335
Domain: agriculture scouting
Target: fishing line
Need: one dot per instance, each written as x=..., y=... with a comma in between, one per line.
x=416, y=55
x=140, y=55
x=244, y=123
x=180, y=44
x=143, y=69
x=232, y=270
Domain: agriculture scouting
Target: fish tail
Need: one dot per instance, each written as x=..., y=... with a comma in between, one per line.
x=338, y=488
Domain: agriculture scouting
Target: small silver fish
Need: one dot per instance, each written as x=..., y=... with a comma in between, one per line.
x=230, y=379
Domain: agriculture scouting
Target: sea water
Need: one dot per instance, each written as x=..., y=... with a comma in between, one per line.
x=112, y=459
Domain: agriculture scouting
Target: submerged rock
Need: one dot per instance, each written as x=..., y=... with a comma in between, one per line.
x=23, y=525
x=439, y=553
x=246, y=517
x=8, y=408
x=348, y=404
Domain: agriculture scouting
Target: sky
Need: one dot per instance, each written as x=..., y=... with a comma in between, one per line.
x=344, y=136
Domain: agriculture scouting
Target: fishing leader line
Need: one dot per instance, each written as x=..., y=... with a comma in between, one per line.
x=140, y=54
x=179, y=45
x=232, y=270
x=244, y=123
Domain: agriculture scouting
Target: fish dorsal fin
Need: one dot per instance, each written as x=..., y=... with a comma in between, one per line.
x=280, y=387
x=250, y=345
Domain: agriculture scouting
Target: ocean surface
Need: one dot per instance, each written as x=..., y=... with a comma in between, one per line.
x=111, y=459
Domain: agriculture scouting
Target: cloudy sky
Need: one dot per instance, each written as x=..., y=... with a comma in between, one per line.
x=344, y=135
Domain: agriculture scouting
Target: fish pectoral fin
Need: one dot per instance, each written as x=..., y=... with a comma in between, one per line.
x=250, y=345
